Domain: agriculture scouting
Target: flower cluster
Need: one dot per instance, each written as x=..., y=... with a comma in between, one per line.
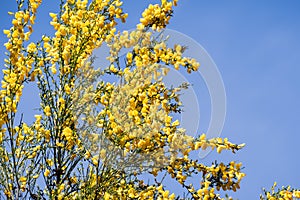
x=157, y=16
x=18, y=147
x=137, y=117
x=20, y=59
x=94, y=139
x=284, y=193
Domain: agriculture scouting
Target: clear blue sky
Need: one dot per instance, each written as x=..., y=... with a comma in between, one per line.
x=256, y=46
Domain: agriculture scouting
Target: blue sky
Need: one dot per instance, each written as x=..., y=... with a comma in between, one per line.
x=256, y=46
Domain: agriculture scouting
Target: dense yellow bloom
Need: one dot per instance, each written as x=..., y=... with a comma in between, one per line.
x=156, y=16
x=93, y=137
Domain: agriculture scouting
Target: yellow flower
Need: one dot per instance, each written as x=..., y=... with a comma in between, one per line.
x=168, y=120
x=68, y=133
x=71, y=1
x=6, y=32
x=23, y=179
x=95, y=160
x=175, y=123
x=296, y=193
x=7, y=192
x=220, y=148
x=73, y=180
x=47, y=172
x=38, y=118
x=61, y=102
x=31, y=47
x=87, y=155
x=36, y=176
x=106, y=196
x=52, y=15
x=53, y=69
x=67, y=89
x=49, y=162
x=102, y=153
x=47, y=111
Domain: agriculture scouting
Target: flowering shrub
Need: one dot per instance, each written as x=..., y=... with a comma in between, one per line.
x=285, y=193
x=93, y=139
